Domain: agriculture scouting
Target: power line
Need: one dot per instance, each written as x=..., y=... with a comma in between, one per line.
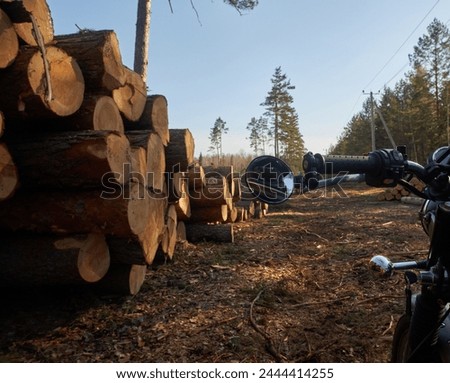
x=402, y=45
x=396, y=74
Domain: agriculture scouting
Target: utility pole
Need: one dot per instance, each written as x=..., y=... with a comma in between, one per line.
x=372, y=119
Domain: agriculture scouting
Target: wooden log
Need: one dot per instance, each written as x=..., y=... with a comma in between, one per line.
x=154, y=117
x=171, y=223
x=151, y=142
x=258, y=214
x=237, y=194
x=2, y=124
x=95, y=113
x=181, y=232
x=412, y=200
x=241, y=214
x=21, y=14
x=25, y=90
x=183, y=208
x=130, y=213
x=99, y=57
x=221, y=171
x=139, y=166
x=125, y=250
x=212, y=233
x=177, y=186
x=166, y=249
x=85, y=159
x=232, y=214
x=123, y=279
x=9, y=178
x=122, y=212
x=248, y=205
x=132, y=96
x=215, y=193
x=8, y=41
x=180, y=150
x=196, y=178
x=211, y=214
x=27, y=259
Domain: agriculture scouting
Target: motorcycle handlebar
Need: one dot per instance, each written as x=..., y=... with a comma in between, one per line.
x=331, y=164
x=383, y=167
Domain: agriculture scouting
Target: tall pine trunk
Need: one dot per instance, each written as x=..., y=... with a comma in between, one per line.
x=142, y=38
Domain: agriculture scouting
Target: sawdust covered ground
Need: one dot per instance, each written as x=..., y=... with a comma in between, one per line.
x=294, y=287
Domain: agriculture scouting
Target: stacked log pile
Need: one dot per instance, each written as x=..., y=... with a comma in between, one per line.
x=81, y=199
x=398, y=192
x=93, y=184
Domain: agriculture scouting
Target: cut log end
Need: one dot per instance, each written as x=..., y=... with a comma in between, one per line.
x=123, y=279
x=2, y=124
x=8, y=174
x=20, y=12
x=8, y=41
x=131, y=97
x=118, y=153
x=94, y=259
x=107, y=115
x=67, y=82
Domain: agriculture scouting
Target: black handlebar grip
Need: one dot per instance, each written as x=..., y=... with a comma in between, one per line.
x=332, y=164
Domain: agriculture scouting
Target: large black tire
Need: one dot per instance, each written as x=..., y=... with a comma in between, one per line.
x=400, y=343
x=401, y=350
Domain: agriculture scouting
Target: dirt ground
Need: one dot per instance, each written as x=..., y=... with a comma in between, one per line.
x=294, y=287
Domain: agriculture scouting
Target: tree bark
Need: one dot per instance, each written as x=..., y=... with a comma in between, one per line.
x=2, y=124
x=8, y=41
x=130, y=213
x=98, y=55
x=183, y=208
x=211, y=214
x=85, y=159
x=77, y=212
x=221, y=171
x=154, y=117
x=151, y=142
x=181, y=232
x=213, y=233
x=197, y=179
x=232, y=214
x=20, y=13
x=29, y=259
x=180, y=150
x=171, y=223
x=123, y=279
x=215, y=193
x=25, y=93
x=142, y=38
x=241, y=214
x=95, y=113
x=237, y=189
x=177, y=186
x=139, y=166
x=9, y=179
x=132, y=96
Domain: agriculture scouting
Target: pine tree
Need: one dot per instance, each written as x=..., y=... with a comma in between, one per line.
x=258, y=135
x=215, y=137
x=432, y=53
x=284, y=127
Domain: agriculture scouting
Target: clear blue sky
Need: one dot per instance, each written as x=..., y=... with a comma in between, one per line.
x=331, y=50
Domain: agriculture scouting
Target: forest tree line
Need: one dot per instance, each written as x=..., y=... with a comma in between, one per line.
x=275, y=132
x=415, y=110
